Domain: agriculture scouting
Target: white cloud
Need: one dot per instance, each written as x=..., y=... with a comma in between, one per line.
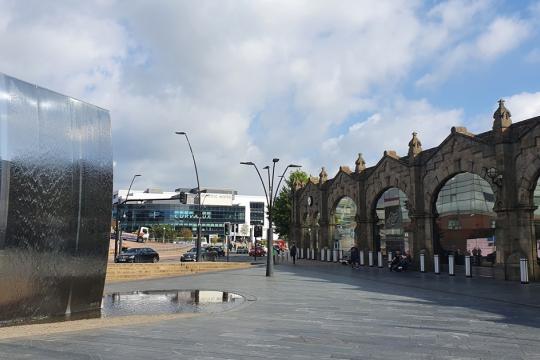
x=523, y=105
x=251, y=80
x=391, y=129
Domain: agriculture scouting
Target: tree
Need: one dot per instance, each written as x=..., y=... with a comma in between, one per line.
x=281, y=214
x=186, y=233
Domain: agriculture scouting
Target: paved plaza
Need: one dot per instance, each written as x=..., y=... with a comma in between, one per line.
x=318, y=311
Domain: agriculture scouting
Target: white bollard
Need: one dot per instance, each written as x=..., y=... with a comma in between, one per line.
x=524, y=270
x=379, y=259
x=322, y=254
x=370, y=258
x=341, y=254
x=334, y=255
x=468, y=272
x=422, y=263
x=436, y=266
x=451, y=265
x=301, y=253
x=389, y=258
x=328, y=255
x=362, y=258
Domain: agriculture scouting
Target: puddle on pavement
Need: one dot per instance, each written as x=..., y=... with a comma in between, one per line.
x=155, y=302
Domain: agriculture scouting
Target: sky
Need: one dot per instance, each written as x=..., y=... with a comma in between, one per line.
x=309, y=82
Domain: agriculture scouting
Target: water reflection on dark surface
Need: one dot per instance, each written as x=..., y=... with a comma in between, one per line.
x=155, y=302
x=168, y=302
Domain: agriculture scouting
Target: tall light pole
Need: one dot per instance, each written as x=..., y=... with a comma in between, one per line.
x=118, y=242
x=270, y=199
x=199, y=215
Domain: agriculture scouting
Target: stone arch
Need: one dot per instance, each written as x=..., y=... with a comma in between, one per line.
x=529, y=175
x=462, y=225
x=458, y=154
x=384, y=178
x=334, y=233
x=378, y=224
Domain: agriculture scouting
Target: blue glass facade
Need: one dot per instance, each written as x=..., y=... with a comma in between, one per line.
x=180, y=216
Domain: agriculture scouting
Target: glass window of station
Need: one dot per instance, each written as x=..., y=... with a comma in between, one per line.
x=181, y=216
x=465, y=223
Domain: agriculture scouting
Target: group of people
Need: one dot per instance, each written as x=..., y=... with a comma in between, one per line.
x=399, y=262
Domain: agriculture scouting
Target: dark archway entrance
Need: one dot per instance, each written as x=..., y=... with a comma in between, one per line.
x=344, y=223
x=392, y=227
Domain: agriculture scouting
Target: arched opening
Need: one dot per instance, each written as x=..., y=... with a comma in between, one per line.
x=465, y=221
x=392, y=225
x=344, y=223
x=306, y=231
x=536, y=201
x=315, y=232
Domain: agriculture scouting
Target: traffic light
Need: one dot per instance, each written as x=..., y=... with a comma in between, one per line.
x=183, y=197
x=227, y=226
x=257, y=231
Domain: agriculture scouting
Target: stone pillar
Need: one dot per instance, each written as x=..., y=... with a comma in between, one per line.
x=515, y=238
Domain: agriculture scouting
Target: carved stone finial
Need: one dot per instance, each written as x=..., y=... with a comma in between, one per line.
x=415, y=146
x=360, y=164
x=502, y=118
x=323, y=176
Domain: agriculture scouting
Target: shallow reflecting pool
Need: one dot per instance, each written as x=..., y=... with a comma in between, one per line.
x=168, y=302
x=154, y=302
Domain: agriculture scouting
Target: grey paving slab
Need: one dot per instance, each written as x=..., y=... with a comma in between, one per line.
x=319, y=311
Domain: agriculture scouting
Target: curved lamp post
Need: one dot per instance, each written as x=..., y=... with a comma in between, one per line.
x=271, y=196
x=199, y=215
x=118, y=242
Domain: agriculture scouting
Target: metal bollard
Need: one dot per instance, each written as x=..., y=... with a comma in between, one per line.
x=524, y=270
x=334, y=255
x=468, y=272
x=362, y=258
x=370, y=258
x=322, y=254
x=422, y=263
x=309, y=251
x=436, y=264
x=389, y=258
x=451, y=265
x=341, y=254
x=379, y=259
x=328, y=255
x=301, y=253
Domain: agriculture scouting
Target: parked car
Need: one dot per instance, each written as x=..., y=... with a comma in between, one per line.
x=257, y=251
x=191, y=255
x=138, y=255
x=241, y=250
x=218, y=249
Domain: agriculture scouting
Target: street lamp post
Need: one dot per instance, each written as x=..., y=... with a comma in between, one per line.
x=118, y=240
x=198, y=256
x=270, y=199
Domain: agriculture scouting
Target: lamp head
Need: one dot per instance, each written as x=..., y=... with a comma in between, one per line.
x=137, y=175
x=247, y=163
x=180, y=133
x=294, y=166
x=275, y=160
x=266, y=167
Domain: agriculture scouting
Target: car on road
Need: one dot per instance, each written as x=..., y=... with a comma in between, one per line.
x=241, y=250
x=137, y=255
x=218, y=249
x=257, y=251
x=191, y=255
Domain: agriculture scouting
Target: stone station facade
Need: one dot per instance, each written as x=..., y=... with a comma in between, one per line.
x=507, y=157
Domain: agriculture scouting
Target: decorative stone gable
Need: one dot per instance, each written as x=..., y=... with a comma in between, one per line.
x=415, y=146
x=502, y=118
x=323, y=176
x=360, y=164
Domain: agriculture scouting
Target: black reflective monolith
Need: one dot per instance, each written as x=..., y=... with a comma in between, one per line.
x=55, y=202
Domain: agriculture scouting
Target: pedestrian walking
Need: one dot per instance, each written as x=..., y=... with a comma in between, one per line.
x=292, y=251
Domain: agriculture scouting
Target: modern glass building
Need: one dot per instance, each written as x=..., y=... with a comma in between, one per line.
x=154, y=208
